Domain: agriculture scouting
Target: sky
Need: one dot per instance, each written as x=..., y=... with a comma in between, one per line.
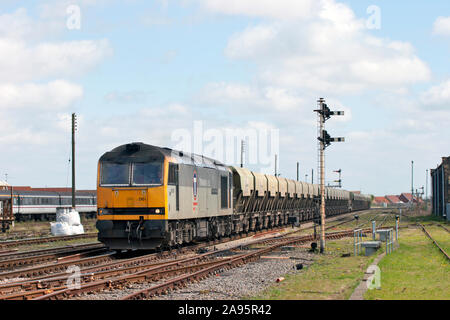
x=202, y=75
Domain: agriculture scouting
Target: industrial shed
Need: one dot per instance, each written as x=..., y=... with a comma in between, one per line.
x=440, y=186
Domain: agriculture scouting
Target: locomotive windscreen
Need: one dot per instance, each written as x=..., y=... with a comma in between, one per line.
x=115, y=174
x=148, y=173
x=118, y=174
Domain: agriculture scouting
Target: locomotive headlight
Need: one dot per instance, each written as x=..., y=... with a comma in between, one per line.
x=103, y=211
x=157, y=211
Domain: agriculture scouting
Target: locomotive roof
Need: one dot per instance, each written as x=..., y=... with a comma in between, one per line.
x=138, y=152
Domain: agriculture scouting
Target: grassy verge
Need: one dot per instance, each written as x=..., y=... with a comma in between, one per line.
x=330, y=277
x=30, y=229
x=416, y=270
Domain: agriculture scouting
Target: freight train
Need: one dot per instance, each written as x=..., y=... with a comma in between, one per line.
x=152, y=198
x=41, y=205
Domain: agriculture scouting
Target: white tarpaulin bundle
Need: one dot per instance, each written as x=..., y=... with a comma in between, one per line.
x=64, y=229
x=67, y=223
x=69, y=216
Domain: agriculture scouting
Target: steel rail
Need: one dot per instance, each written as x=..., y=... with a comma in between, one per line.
x=443, y=227
x=61, y=266
x=218, y=266
x=15, y=243
x=59, y=285
x=158, y=272
x=434, y=241
x=15, y=254
x=46, y=257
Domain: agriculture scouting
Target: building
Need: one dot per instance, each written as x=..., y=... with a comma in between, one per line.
x=407, y=198
x=394, y=199
x=380, y=201
x=440, y=188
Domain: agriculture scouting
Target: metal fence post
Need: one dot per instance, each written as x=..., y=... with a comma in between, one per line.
x=373, y=229
x=396, y=228
x=387, y=245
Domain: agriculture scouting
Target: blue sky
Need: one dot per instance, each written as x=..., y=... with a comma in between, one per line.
x=140, y=71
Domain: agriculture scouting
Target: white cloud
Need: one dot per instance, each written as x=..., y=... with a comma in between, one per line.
x=442, y=26
x=437, y=96
x=281, y=9
x=53, y=95
x=21, y=62
x=330, y=51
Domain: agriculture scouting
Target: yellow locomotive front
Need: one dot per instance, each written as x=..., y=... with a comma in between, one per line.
x=131, y=197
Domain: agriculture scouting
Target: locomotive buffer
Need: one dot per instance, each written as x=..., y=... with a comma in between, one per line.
x=324, y=113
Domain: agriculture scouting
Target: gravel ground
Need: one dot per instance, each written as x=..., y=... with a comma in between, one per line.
x=245, y=281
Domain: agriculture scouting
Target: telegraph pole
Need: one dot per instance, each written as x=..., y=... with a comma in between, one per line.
x=324, y=113
x=412, y=179
x=312, y=176
x=298, y=171
x=426, y=191
x=74, y=128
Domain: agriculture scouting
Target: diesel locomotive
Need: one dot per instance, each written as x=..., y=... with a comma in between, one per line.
x=150, y=197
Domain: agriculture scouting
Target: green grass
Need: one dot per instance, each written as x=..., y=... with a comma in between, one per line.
x=416, y=270
x=331, y=276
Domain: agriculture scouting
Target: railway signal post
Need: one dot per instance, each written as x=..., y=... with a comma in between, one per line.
x=324, y=113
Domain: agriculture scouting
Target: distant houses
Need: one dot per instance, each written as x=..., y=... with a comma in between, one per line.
x=394, y=200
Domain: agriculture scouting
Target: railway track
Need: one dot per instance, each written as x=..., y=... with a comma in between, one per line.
x=434, y=241
x=45, y=255
x=49, y=276
x=114, y=274
x=39, y=280
x=188, y=271
x=200, y=272
x=443, y=227
x=20, y=242
x=55, y=267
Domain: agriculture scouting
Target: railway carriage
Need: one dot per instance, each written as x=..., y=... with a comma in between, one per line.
x=150, y=197
x=41, y=205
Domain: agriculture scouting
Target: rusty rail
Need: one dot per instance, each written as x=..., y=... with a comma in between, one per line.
x=217, y=266
x=45, y=269
x=434, y=241
x=15, y=243
x=42, y=256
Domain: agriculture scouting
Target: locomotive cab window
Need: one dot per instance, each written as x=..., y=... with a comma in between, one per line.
x=115, y=174
x=173, y=174
x=148, y=173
